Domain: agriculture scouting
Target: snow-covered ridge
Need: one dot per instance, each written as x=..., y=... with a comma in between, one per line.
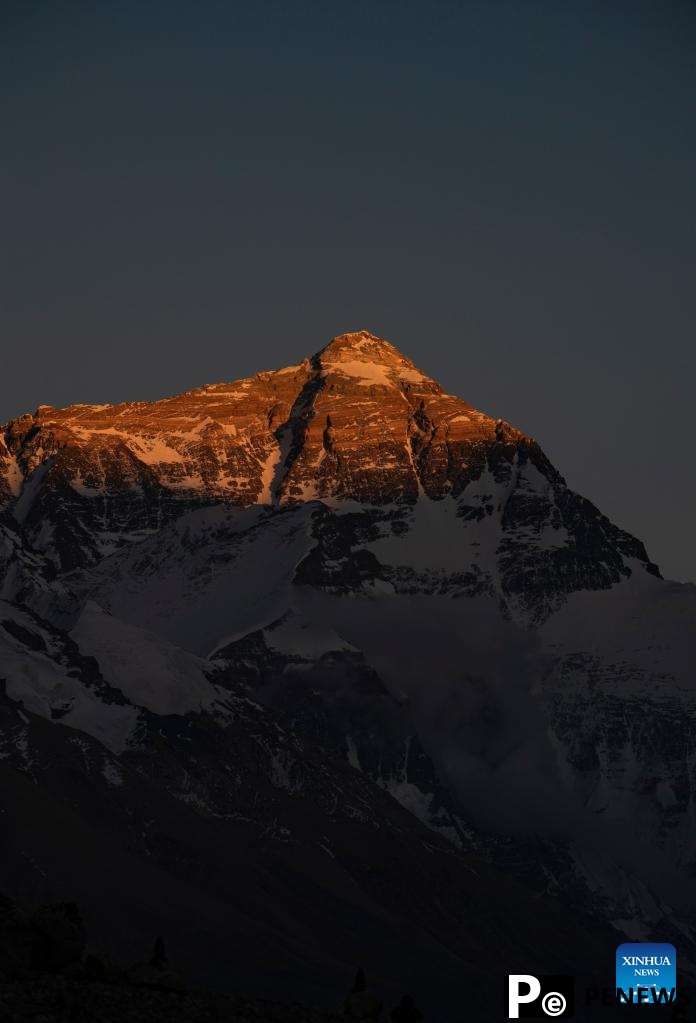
x=408, y=582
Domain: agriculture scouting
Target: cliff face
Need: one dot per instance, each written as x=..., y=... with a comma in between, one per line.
x=339, y=584
x=356, y=423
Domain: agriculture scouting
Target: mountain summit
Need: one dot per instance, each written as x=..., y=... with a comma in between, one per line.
x=364, y=346
x=357, y=422
x=329, y=628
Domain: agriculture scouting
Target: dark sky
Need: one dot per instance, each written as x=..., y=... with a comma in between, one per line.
x=193, y=191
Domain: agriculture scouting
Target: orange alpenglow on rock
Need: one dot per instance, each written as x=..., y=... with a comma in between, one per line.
x=357, y=421
x=356, y=426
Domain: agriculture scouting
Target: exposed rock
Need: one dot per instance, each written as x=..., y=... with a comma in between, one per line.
x=259, y=610
x=357, y=422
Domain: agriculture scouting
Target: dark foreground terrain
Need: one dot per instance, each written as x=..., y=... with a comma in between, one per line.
x=49, y=997
x=47, y=975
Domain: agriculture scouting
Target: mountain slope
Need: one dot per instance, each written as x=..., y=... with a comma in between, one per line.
x=339, y=560
x=270, y=867
x=356, y=423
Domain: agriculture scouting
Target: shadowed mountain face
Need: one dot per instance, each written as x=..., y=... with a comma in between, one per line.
x=335, y=626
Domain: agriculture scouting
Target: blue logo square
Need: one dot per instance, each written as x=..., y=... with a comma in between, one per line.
x=648, y=967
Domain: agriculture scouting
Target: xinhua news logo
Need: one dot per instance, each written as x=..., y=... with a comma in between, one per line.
x=535, y=997
x=646, y=972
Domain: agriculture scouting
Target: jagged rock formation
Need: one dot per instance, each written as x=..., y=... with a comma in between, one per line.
x=284, y=605
x=355, y=423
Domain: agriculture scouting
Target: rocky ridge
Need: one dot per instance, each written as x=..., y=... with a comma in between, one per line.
x=355, y=424
x=335, y=588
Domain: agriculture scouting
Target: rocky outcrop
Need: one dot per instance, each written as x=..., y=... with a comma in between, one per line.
x=357, y=424
x=269, y=861
x=338, y=702
x=257, y=611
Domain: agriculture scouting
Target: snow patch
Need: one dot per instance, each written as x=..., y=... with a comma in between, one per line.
x=151, y=672
x=302, y=638
x=368, y=374
x=46, y=688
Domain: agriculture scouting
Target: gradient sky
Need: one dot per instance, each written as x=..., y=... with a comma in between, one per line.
x=193, y=191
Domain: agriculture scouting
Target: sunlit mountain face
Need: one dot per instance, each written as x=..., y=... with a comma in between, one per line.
x=339, y=667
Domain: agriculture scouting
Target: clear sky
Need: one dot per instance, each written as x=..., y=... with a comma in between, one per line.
x=193, y=191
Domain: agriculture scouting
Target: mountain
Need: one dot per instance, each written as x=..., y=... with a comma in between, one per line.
x=334, y=626
x=355, y=423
